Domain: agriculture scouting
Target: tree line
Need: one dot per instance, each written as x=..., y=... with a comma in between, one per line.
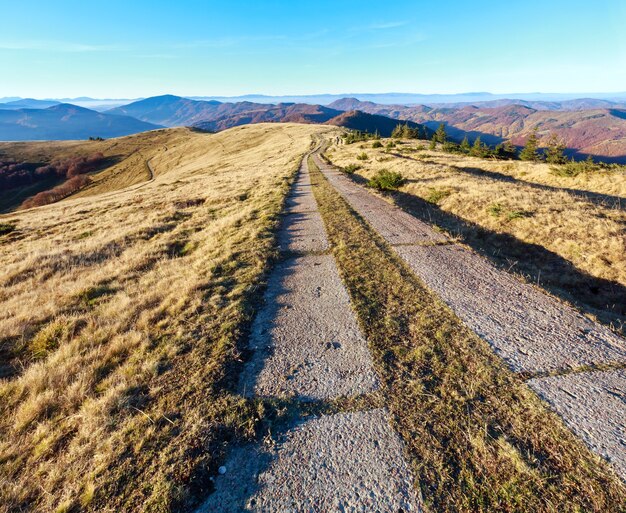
x=553, y=153
x=21, y=174
x=57, y=193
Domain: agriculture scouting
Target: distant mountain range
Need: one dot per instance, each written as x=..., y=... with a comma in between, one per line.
x=415, y=99
x=65, y=121
x=593, y=131
x=592, y=126
x=28, y=103
x=214, y=116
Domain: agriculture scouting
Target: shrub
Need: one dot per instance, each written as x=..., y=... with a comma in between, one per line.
x=479, y=149
x=505, y=150
x=573, y=168
x=436, y=195
x=362, y=156
x=386, y=180
x=6, y=228
x=351, y=168
x=497, y=210
x=357, y=135
x=530, y=151
x=390, y=145
x=377, y=144
x=554, y=151
x=57, y=193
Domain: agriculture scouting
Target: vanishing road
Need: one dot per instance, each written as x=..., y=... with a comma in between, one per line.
x=307, y=349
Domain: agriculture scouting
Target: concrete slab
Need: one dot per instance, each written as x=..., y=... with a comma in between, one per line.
x=530, y=330
x=593, y=405
x=302, y=232
x=350, y=462
x=305, y=339
x=392, y=223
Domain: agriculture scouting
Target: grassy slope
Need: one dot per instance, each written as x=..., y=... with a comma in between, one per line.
x=478, y=438
x=126, y=160
x=121, y=315
x=566, y=233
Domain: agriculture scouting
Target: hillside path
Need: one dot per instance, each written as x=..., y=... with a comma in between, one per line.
x=307, y=349
x=533, y=332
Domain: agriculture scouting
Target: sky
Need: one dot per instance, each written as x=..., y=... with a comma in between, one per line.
x=124, y=49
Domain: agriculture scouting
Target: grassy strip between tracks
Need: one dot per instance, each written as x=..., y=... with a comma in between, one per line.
x=478, y=438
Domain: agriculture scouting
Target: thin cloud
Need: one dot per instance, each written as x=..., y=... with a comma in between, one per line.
x=58, y=46
x=388, y=25
x=226, y=42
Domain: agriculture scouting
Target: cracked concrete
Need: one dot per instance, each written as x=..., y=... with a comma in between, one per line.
x=532, y=331
x=593, y=405
x=347, y=462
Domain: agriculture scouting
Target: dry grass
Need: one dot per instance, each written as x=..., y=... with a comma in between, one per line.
x=479, y=440
x=566, y=233
x=121, y=315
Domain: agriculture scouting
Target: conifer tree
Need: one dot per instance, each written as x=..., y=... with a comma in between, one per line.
x=398, y=131
x=440, y=134
x=530, y=151
x=465, y=145
x=433, y=142
x=478, y=148
x=554, y=151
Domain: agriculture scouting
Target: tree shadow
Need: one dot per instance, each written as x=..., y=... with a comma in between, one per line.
x=602, y=298
x=606, y=200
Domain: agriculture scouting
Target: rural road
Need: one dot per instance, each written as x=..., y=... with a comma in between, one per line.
x=307, y=347
x=576, y=365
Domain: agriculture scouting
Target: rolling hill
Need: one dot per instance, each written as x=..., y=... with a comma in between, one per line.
x=600, y=132
x=28, y=103
x=358, y=120
x=65, y=122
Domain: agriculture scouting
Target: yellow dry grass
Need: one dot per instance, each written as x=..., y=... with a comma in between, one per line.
x=120, y=315
x=518, y=207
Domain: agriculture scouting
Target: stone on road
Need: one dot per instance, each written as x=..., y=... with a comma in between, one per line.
x=349, y=462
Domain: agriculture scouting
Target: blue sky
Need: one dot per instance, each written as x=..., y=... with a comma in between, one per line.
x=141, y=48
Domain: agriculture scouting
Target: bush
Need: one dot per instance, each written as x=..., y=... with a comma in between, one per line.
x=573, y=168
x=362, y=156
x=497, y=210
x=390, y=145
x=350, y=168
x=6, y=228
x=386, y=180
x=377, y=144
x=57, y=193
x=357, y=135
x=436, y=195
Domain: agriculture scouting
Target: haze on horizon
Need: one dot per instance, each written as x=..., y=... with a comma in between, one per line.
x=228, y=49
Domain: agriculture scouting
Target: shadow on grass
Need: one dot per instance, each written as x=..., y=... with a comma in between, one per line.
x=603, y=298
x=596, y=198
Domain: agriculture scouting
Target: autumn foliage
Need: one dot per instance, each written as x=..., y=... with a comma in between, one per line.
x=57, y=193
x=20, y=174
x=73, y=170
